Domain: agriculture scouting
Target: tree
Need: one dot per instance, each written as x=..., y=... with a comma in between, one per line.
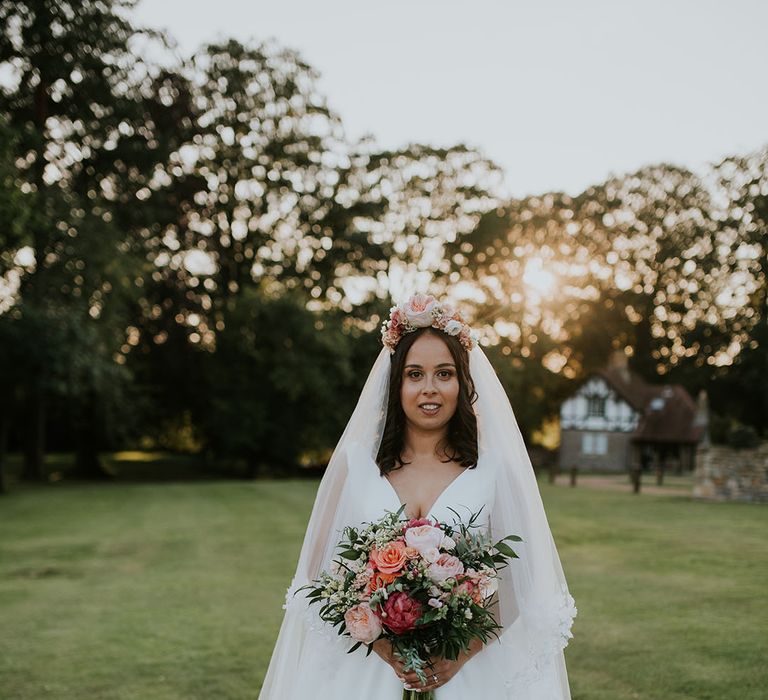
x=84, y=111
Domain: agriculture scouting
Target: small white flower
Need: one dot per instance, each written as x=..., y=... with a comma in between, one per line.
x=453, y=327
x=488, y=586
x=468, y=614
x=447, y=543
x=435, y=603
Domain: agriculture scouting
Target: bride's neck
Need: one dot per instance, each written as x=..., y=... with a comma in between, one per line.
x=426, y=444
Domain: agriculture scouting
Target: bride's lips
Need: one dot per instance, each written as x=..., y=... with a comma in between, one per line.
x=435, y=407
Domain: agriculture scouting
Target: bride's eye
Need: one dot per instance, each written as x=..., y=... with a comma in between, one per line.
x=446, y=373
x=414, y=374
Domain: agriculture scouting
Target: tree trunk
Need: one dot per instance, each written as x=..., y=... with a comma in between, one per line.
x=4, y=421
x=85, y=424
x=34, y=454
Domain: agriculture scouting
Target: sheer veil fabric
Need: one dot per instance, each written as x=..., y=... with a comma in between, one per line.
x=535, y=608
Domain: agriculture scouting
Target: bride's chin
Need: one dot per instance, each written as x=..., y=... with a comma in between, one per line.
x=427, y=424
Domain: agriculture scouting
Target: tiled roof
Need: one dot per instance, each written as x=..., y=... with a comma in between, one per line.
x=667, y=412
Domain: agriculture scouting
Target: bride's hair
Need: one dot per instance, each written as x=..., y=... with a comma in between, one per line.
x=462, y=428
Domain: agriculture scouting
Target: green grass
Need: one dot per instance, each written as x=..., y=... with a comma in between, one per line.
x=173, y=591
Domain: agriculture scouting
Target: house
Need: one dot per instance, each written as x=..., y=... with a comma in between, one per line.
x=616, y=420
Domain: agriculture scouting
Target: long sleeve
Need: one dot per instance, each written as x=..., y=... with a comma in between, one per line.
x=302, y=626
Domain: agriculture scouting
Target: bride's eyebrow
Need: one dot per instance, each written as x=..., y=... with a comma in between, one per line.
x=442, y=364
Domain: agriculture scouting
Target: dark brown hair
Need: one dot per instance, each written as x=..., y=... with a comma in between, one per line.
x=462, y=428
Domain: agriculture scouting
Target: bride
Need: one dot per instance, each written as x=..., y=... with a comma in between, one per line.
x=433, y=431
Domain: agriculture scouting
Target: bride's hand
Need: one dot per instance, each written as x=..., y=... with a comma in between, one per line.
x=444, y=669
x=383, y=647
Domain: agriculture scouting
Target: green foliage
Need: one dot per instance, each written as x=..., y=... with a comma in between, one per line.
x=743, y=436
x=169, y=210
x=276, y=384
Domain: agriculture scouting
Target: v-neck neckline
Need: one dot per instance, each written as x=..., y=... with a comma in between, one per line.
x=436, y=501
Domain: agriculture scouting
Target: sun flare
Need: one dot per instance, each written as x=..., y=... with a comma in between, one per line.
x=536, y=277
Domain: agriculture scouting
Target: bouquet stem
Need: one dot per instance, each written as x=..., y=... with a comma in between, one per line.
x=416, y=695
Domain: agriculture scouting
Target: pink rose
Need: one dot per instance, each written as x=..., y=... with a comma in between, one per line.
x=362, y=623
x=415, y=522
x=445, y=567
x=424, y=537
x=397, y=319
x=400, y=612
x=418, y=310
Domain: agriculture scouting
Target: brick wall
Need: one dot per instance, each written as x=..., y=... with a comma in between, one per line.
x=727, y=474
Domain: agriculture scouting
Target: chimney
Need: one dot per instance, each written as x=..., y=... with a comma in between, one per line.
x=618, y=361
x=701, y=419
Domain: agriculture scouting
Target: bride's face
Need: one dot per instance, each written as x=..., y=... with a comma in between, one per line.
x=430, y=388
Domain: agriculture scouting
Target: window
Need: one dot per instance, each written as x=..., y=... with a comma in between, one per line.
x=594, y=443
x=595, y=406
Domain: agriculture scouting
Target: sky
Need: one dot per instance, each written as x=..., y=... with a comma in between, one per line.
x=560, y=94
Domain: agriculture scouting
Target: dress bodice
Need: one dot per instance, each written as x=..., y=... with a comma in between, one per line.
x=373, y=494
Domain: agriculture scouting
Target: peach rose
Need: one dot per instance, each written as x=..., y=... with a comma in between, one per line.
x=391, y=558
x=362, y=623
x=411, y=552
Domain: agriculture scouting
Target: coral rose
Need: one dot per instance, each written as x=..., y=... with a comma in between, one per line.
x=469, y=587
x=379, y=580
x=391, y=558
x=400, y=612
x=362, y=623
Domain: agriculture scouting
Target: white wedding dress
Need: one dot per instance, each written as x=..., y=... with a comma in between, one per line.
x=326, y=672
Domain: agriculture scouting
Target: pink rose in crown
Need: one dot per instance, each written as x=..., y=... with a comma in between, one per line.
x=400, y=612
x=418, y=310
x=362, y=623
x=397, y=319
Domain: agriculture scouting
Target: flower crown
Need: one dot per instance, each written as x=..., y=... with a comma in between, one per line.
x=424, y=311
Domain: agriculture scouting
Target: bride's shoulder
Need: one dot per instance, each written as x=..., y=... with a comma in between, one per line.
x=355, y=451
x=488, y=460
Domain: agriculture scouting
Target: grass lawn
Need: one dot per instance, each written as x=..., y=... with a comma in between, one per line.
x=173, y=590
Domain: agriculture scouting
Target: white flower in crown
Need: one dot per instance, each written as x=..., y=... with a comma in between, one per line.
x=423, y=311
x=453, y=327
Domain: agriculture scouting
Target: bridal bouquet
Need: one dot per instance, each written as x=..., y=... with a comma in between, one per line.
x=425, y=586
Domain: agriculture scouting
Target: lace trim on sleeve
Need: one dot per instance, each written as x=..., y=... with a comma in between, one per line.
x=546, y=632
x=299, y=604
